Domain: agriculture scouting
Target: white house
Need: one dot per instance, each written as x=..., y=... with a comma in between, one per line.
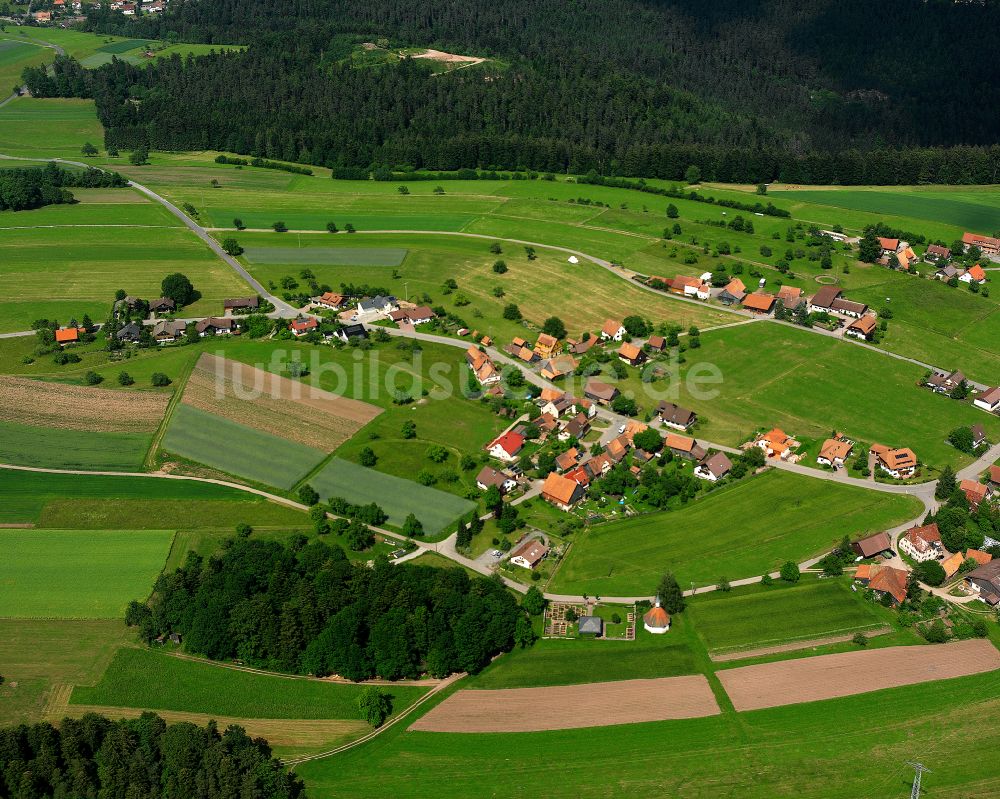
x=656, y=620
x=613, y=330
x=988, y=400
x=506, y=447
x=714, y=468
x=529, y=554
x=922, y=543
x=834, y=452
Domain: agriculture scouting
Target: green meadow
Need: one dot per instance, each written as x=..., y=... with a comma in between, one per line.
x=67, y=272
x=141, y=502
x=837, y=749
x=41, y=655
x=326, y=256
x=46, y=128
x=556, y=661
x=482, y=293
x=15, y=56
x=813, y=609
x=76, y=574
x=238, y=449
x=741, y=531
x=24, y=445
x=807, y=384
x=147, y=679
x=974, y=210
x=398, y=497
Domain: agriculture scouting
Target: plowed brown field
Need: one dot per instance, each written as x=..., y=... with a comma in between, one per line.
x=566, y=707
x=277, y=405
x=57, y=405
x=789, y=682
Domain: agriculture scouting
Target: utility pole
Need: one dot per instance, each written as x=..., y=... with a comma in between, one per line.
x=919, y=769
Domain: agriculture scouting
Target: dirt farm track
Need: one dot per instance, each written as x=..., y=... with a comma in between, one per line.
x=788, y=682
x=569, y=706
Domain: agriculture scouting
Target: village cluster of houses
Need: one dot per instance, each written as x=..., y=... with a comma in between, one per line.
x=898, y=462
x=857, y=319
x=565, y=417
x=66, y=12
x=922, y=543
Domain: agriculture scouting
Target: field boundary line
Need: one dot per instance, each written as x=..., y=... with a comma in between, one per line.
x=429, y=683
x=727, y=654
x=405, y=712
x=168, y=414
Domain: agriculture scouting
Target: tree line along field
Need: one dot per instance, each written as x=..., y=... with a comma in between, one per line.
x=90, y=264
x=742, y=531
x=78, y=574
x=809, y=385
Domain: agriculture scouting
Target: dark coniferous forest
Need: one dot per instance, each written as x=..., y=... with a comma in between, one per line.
x=748, y=90
x=305, y=608
x=143, y=757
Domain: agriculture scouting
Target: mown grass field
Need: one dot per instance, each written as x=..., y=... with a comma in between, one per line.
x=398, y=497
x=807, y=384
x=113, y=207
x=743, y=531
x=813, y=609
x=566, y=662
x=838, y=749
x=40, y=654
x=327, y=256
x=973, y=210
x=66, y=272
x=130, y=502
x=535, y=286
x=77, y=574
x=142, y=678
x=24, y=445
x=45, y=128
x=15, y=56
x=238, y=449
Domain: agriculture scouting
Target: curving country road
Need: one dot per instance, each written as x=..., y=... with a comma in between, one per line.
x=924, y=492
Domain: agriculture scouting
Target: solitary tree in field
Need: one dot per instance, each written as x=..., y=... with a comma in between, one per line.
x=177, y=287
x=331, y=227
x=367, y=457
x=232, y=246
x=125, y=379
x=238, y=224
x=88, y=149
x=693, y=174
x=375, y=705
x=159, y=379
x=790, y=572
x=279, y=227
x=672, y=212
x=139, y=156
